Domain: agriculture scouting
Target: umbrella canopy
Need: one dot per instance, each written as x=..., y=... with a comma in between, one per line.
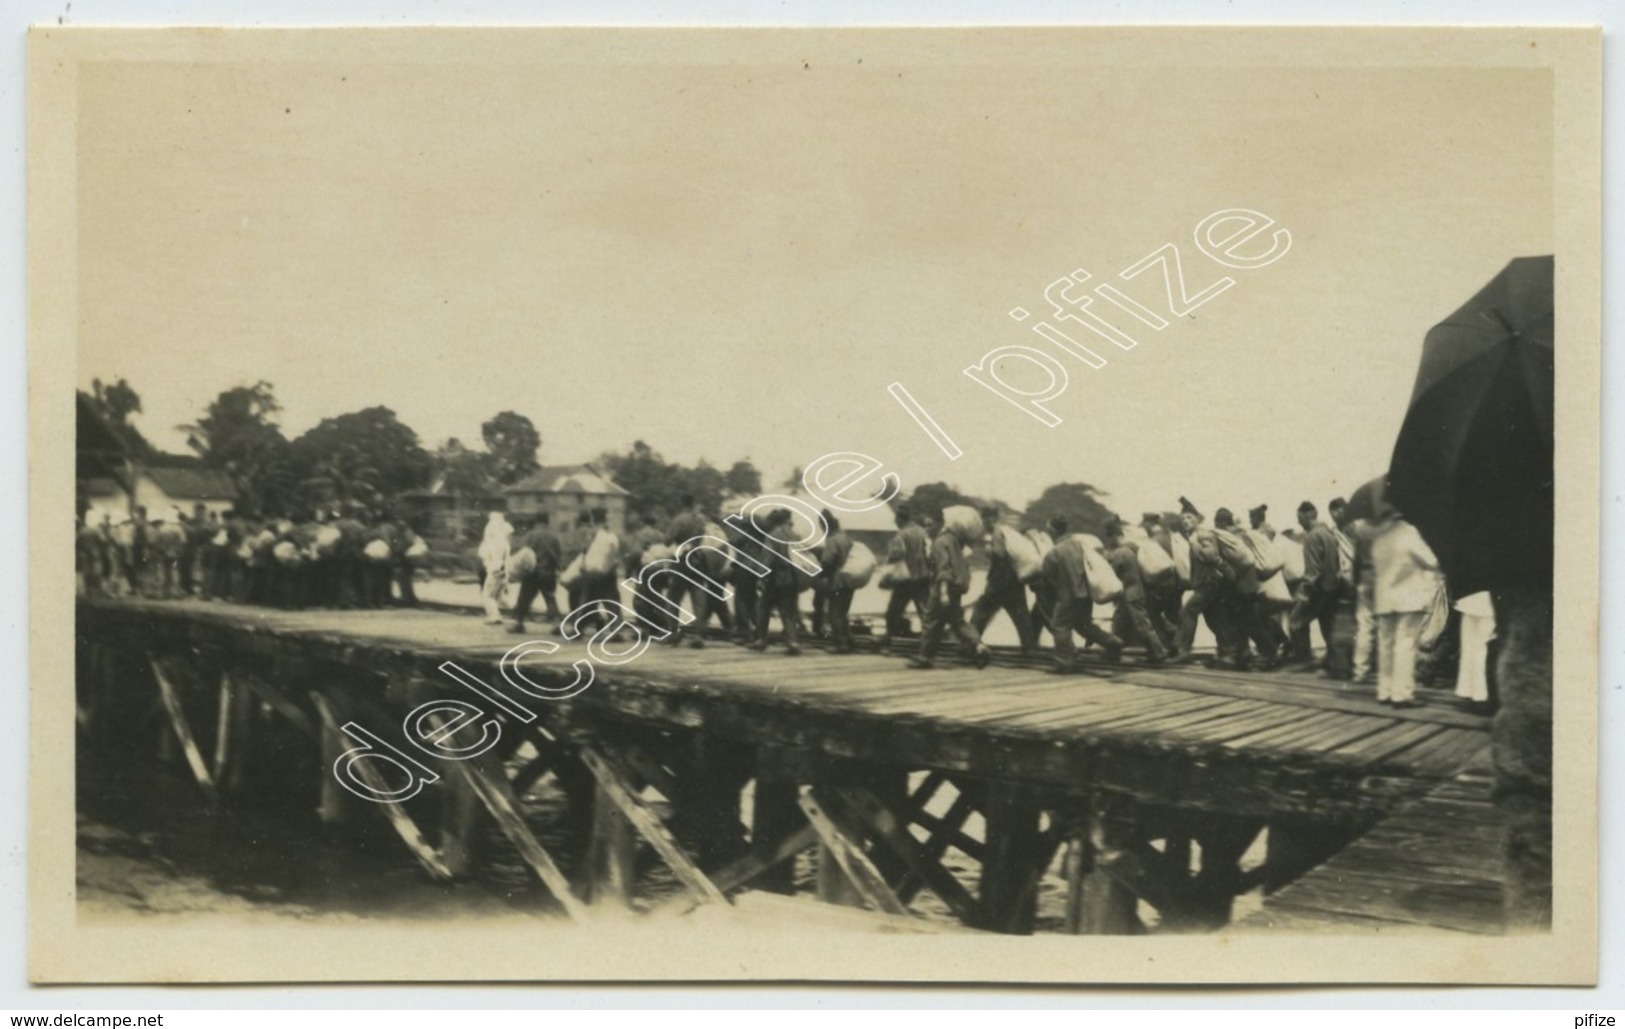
x=1369, y=500
x=1472, y=468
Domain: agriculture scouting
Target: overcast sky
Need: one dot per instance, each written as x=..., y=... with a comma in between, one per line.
x=733, y=259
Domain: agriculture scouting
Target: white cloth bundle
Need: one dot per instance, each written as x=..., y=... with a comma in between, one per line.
x=1024, y=554
x=859, y=567
x=571, y=574
x=1154, y=562
x=1182, y=555
x=963, y=521
x=521, y=563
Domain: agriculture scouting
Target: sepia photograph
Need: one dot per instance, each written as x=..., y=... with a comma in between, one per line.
x=1049, y=505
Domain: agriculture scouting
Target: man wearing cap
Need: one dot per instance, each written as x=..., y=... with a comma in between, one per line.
x=1248, y=614
x=1209, y=576
x=1319, y=591
x=1003, y=590
x=1256, y=518
x=1162, y=595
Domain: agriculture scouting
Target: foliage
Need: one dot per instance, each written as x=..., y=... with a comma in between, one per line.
x=1074, y=501
x=512, y=441
x=658, y=486
x=116, y=402
x=238, y=435
x=366, y=457
x=931, y=497
x=742, y=479
x=463, y=471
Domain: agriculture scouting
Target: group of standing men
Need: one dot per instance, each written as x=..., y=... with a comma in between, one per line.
x=341, y=559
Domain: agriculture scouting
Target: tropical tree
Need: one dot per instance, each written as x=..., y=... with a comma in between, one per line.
x=929, y=498
x=742, y=479
x=116, y=402
x=512, y=441
x=462, y=470
x=366, y=457
x=239, y=436
x=658, y=486
x=1076, y=502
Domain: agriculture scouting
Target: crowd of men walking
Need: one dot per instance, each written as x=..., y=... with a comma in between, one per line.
x=1370, y=585
x=342, y=559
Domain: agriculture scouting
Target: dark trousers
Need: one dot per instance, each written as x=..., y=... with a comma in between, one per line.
x=1162, y=599
x=1220, y=604
x=404, y=583
x=1077, y=614
x=945, y=615
x=700, y=602
x=897, y=607
x=840, y=616
x=375, y=578
x=1265, y=629
x=1133, y=622
x=783, y=600
x=1009, y=596
x=531, y=587
x=745, y=599
x=1316, y=604
x=1252, y=624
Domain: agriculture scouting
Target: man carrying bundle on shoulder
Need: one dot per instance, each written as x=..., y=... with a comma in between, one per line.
x=950, y=578
x=1242, y=596
x=1133, y=620
x=781, y=589
x=1320, y=590
x=688, y=524
x=601, y=563
x=908, y=558
x=838, y=591
x=1210, y=576
x=1005, y=589
x=1067, y=584
x=542, y=579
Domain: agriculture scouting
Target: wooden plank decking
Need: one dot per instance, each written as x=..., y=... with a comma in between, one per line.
x=1435, y=864
x=1233, y=742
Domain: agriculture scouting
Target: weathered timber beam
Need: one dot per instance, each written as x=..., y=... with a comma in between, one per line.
x=609, y=873
x=885, y=824
x=494, y=793
x=947, y=832
x=183, y=731
x=849, y=857
x=1013, y=847
x=748, y=868
x=281, y=703
x=399, y=820
x=614, y=781
x=232, y=732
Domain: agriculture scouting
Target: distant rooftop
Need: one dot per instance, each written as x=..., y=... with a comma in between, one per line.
x=579, y=478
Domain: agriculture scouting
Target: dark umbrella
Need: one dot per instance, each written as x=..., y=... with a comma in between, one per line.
x=1472, y=468
x=1367, y=501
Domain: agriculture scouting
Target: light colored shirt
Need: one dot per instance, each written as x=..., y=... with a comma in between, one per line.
x=1406, y=571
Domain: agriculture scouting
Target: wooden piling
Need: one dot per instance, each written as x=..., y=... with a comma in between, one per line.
x=1013, y=847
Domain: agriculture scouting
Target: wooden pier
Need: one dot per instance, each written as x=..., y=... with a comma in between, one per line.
x=1146, y=786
